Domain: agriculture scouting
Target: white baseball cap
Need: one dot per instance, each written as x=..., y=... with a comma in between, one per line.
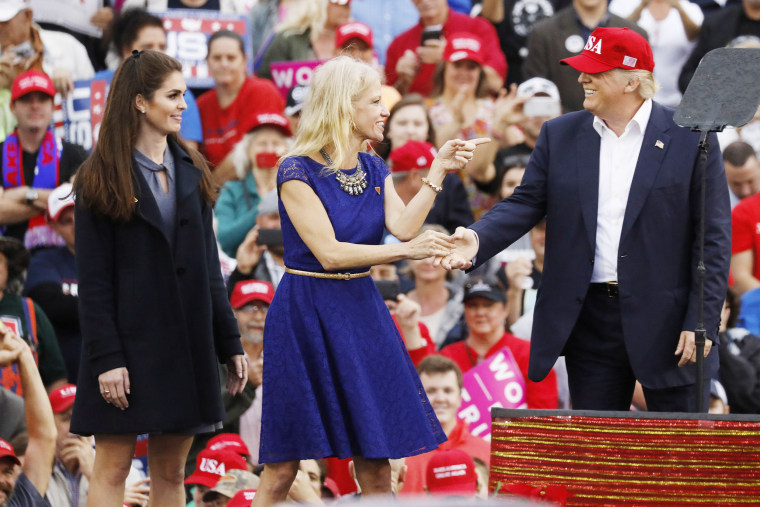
x=536, y=85
x=60, y=198
x=9, y=8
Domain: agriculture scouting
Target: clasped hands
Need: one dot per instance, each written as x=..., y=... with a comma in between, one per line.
x=465, y=248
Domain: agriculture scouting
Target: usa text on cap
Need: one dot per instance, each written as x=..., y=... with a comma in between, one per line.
x=613, y=48
x=211, y=465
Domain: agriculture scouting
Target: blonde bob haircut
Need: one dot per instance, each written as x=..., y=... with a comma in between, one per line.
x=648, y=85
x=327, y=117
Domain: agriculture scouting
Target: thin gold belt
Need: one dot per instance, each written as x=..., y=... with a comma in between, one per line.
x=333, y=276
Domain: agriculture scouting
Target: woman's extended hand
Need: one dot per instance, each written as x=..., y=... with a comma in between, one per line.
x=429, y=244
x=237, y=373
x=114, y=387
x=455, y=154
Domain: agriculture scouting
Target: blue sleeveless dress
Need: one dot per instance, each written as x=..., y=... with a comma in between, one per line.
x=338, y=380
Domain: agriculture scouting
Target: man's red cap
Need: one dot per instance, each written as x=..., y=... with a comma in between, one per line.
x=353, y=30
x=251, y=290
x=32, y=81
x=6, y=451
x=63, y=397
x=613, y=48
x=451, y=473
x=463, y=46
x=242, y=498
x=412, y=155
x=211, y=465
x=272, y=119
x=230, y=442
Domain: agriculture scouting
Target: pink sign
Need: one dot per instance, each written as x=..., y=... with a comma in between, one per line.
x=496, y=382
x=288, y=74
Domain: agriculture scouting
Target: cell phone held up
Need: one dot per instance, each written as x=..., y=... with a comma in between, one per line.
x=270, y=237
x=389, y=289
x=432, y=32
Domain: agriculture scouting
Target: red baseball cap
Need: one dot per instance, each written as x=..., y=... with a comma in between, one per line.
x=412, y=155
x=353, y=30
x=613, y=48
x=32, y=81
x=230, y=442
x=242, y=498
x=251, y=290
x=463, y=46
x=451, y=473
x=62, y=398
x=272, y=119
x=6, y=451
x=211, y=465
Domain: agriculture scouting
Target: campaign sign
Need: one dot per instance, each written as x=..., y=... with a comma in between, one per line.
x=187, y=34
x=496, y=382
x=288, y=74
x=77, y=118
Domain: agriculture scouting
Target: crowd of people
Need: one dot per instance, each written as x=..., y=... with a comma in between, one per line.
x=185, y=204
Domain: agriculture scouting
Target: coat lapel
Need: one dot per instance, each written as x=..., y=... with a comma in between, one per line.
x=147, y=207
x=653, y=149
x=187, y=176
x=587, y=144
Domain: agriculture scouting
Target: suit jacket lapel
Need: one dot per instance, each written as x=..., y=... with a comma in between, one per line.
x=653, y=149
x=587, y=143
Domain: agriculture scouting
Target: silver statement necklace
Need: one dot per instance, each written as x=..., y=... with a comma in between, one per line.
x=353, y=184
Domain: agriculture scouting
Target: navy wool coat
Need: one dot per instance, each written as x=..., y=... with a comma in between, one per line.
x=162, y=313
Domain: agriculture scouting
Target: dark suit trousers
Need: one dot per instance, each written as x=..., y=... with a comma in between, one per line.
x=599, y=371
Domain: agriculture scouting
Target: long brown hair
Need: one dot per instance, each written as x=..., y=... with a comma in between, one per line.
x=105, y=181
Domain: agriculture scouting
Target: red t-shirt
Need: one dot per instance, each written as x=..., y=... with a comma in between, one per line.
x=456, y=22
x=745, y=234
x=460, y=438
x=223, y=128
x=539, y=394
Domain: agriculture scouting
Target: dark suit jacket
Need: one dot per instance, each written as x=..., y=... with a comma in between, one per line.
x=547, y=46
x=161, y=312
x=657, y=252
x=718, y=29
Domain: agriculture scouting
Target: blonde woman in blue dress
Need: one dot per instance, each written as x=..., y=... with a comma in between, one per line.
x=337, y=378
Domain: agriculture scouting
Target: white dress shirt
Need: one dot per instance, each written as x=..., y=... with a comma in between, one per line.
x=617, y=162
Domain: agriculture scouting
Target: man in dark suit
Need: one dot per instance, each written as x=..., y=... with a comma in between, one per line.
x=618, y=187
x=562, y=36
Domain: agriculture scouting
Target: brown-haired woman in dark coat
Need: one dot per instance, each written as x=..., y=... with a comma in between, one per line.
x=153, y=305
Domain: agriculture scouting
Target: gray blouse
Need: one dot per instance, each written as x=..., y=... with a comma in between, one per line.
x=167, y=202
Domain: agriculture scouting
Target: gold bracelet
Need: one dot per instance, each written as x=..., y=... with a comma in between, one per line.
x=432, y=185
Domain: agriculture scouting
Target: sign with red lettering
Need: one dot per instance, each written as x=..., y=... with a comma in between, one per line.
x=496, y=382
